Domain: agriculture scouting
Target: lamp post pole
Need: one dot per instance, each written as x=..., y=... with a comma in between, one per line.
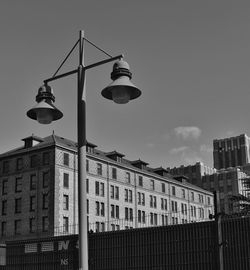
x=121, y=91
x=81, y=147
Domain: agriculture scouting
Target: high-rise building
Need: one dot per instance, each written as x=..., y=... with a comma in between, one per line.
x=39, y=193
x=231, y=152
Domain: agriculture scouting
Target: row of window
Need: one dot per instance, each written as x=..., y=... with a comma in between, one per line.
x=34, y=162
x=100, y=226
x=18, y=226
x=32, y=183
x=99, y=171
x=128, y=194
x=115, y=210
x=32, y=204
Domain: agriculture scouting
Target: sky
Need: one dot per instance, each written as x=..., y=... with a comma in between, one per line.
x=190, y=58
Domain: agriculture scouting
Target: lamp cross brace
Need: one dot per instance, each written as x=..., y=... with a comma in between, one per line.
x=84, y=67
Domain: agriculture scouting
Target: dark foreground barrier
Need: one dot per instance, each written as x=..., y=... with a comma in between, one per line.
x=179, y=247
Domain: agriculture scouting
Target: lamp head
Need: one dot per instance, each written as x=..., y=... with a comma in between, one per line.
x=121, y=90
x=45, y=111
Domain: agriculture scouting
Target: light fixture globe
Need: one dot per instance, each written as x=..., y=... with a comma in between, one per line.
x=45, y=111
x=121, y=90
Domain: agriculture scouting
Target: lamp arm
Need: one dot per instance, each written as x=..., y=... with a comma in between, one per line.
x=60, y=76
x=85, y=68
x=103, y=62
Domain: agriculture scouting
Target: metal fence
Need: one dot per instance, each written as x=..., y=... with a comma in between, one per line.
x=179, y=247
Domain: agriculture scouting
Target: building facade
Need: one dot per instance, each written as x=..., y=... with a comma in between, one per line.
x=231, y=152
x=229, y=183
x=39, y=193
x=194, y=172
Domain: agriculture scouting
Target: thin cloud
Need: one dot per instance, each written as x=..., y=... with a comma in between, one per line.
x=187, y=133
x=178, y=150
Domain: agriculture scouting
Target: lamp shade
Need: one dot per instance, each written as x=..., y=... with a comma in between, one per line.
x=121, y=90
x=44, y=112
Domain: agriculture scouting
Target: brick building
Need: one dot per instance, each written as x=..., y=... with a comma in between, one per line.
x=231, y=152
x=38, y=187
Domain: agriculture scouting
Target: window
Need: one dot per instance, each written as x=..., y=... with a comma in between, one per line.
x=46, y=158
x=3, y=228
x=117, y=193
x=173, y=191
x=6, y=166
x=33, y=161
x=117, y=214
x=141, y=198
x=18, y=205
x=32, y=225
x=112, y=211
x=208, y=200
x=18, y=184
x=164, y=220
x=87, y=185
x=66, y=180
x=66, y=159
x=114, y=192
x=45, y=201
x=32, y=203
x=153, y=201
x=32, y=182
x=45, y=223
x=163, y=187
x=99, y=168
x=201, y=212
x=100, y=226
x=114, y=173
x=19, y=164
x=100, y=210
x=131, y=214
x=65, y=202
x=127, y=177
x=141, y=216
x=192, y=196
x=65, y=224
x=87, y=165
x=45, y=179
x=140, y=181
x=184, y=209
x=115, y=211
x=130, y=196
x=174, y=206
x=153, y=218
x=152, y=184
x=4, y=207
x=193, y=211
x=99, y=188
x=5, y=186
x=201, y=200
x=183, y=193
x=164, y=204
x=87, y=206
x=128, y=214
x=17, y=226
x=102, y=189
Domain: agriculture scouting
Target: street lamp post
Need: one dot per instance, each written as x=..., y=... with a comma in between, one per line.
x=121, y=90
